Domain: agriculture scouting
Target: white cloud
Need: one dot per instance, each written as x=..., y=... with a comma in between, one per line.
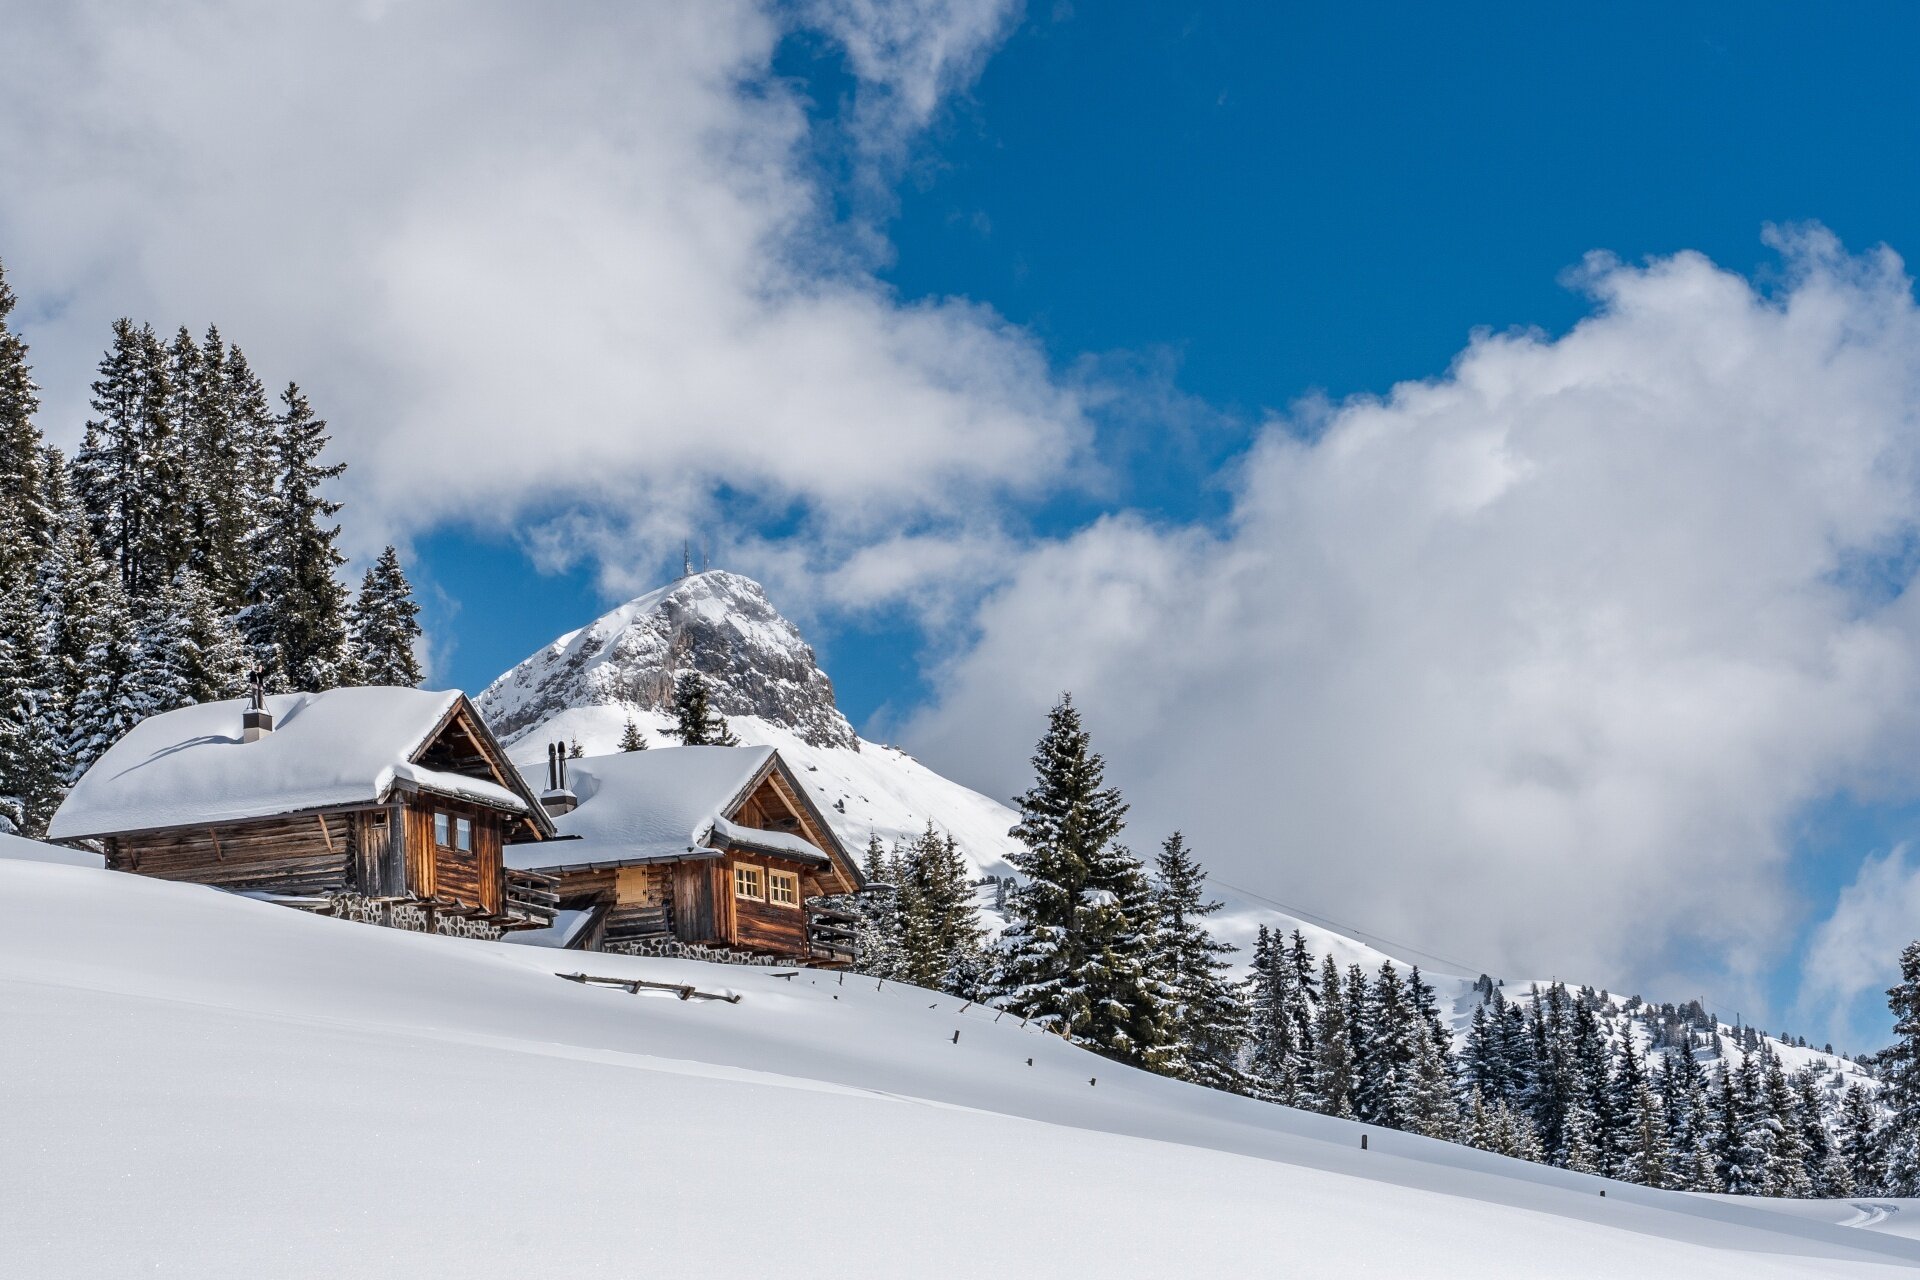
x=1532, y=663
x=1854, y=955
x=578, y=270
x=910, y=54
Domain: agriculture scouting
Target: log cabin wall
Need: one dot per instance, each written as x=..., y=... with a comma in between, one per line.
x=472, y=878
x=298, y=855
x=643, y=887
x=762, y=924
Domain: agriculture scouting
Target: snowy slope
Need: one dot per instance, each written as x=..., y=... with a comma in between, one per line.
x=204, y=1085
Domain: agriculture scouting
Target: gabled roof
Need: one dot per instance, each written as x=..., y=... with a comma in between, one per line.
x=336, y=749
x=664, y=805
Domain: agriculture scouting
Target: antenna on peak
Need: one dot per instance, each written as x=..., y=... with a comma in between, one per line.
x=686, y=559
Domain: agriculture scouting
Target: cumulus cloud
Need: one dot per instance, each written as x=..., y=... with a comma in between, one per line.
x=580, y=275
x=1531, y=663
x=1853, y=956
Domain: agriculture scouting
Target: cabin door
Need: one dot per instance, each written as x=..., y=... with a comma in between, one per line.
x=694, y=903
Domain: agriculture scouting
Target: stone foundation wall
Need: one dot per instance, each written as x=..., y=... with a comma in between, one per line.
x=674, y=949
x=414, y=917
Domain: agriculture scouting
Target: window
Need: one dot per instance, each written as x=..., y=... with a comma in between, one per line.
x=783, y=888
x=746, y=883
x=450, y=832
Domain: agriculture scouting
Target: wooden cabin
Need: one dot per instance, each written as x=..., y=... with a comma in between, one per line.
x=380, y=804
x=706, y=847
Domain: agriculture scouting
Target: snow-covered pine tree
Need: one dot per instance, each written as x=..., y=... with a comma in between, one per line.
x=1689, y=1122
x=631, y=739
x=30, y=764
x=384, y=624
x=875, y=909
x=1900, y=1063
x=1641, y=1148
x=1743, y=1140
x=1333, y=1070
x=1362, y=1043
x=1549, y=1090
x=1488, y=1061
x=1073, y=958
x=111, y=698
x=189, y=648
x=1858, y=1144
x=129, y=472
x=1787, y=1173
x=26, y=523
x=1592, y=1094
x=1429, y=1104
x=295, y=620
x=938, y=924
x=1386, y=1071
x=229, y=434
x=1305, y=995
x=1208, y=1016
x=695, y=722
x=1816, y=1139
x=1497, y=1127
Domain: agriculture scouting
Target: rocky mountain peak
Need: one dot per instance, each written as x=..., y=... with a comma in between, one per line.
x=717, y=623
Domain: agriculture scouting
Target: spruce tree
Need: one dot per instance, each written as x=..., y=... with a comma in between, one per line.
x=26, y=522
x=189, y=649
x=383, y=626
x=938, y=923
x=229, y=436
x=1900, y=1063
x=875, y=909
x=1333, y=1067
x=1745, y=1142
x=631, y=739
x=1208, y=1016
x=1858, y=1144
x=110, y=699
x=1429, y=1106
x=695, y=722
x=1362, y=1044
x=30, y=737
x=1074, y=954
x=1816, y=1140
x=295, y=620
x=1386, y=1070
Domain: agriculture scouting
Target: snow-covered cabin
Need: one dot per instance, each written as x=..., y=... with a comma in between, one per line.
x=707, y=846
x=381, y=804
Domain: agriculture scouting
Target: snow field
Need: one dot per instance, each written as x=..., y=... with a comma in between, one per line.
x=200, y=1084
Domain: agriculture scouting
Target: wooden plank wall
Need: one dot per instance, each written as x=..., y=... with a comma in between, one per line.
x=301, y=855
x=700, y=912
x=761, y=926
x=473, y=879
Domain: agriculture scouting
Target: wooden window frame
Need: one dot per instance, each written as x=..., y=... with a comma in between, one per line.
x=741, y=872
x=448, y=828
x=791, y=880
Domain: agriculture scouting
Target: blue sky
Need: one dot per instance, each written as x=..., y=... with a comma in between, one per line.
x=1028, y=347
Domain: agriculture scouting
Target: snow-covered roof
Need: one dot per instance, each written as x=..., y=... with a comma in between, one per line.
x=669, y=802
x=341, y=747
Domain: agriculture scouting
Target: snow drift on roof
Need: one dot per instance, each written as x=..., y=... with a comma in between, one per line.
x=189, y=767
x=643, y=804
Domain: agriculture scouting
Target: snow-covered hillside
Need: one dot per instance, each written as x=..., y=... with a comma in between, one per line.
x=587, y=684
x=199, y=1084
